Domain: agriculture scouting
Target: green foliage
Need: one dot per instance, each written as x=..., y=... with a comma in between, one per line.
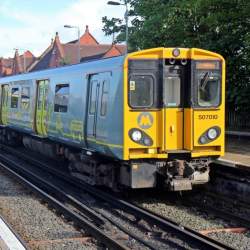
x=222, y=26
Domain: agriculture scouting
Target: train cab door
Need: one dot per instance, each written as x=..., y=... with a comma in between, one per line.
x=173, y=97
x=42, y=107
x=4, y=104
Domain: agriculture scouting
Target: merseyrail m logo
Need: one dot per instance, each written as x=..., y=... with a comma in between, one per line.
x=145, y=120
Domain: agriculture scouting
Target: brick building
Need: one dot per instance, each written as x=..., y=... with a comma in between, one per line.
x=16, y=65
x=58, y=54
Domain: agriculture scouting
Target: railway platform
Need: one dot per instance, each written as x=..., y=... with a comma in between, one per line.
x=8, y=239
x=237, y=148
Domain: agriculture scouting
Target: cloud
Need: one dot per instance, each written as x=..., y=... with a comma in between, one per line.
x=34, y=30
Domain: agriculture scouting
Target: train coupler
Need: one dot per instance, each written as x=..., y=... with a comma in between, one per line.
x=182, y=175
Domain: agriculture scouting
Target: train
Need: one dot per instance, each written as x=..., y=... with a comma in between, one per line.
x=149, y=119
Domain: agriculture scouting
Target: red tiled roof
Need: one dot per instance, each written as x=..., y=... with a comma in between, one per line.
x=17, y=64
x=113, y=51
x=58, y=54
x=7, y=62
x=28, y=54
x=87, y=38
x=5, y=66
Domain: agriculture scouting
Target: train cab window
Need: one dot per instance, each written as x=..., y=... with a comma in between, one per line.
x=61, y=98
x=14, y=97
x=25, y=98
x=209, y=89
x=141, y=91
x=104, y=100
x=172, y=91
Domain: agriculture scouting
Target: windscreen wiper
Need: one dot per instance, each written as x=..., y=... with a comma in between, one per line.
x=204, y=81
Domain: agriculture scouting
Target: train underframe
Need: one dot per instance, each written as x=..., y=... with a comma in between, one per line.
x=179, y=172
x=175, y=175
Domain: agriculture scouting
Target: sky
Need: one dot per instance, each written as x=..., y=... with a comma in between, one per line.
x=31, y=24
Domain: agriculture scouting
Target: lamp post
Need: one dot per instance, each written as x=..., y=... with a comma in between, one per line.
x=125, y=16
x=78, y=33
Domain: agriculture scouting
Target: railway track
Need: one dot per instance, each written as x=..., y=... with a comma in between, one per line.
x=35, y=185
x=159, y=231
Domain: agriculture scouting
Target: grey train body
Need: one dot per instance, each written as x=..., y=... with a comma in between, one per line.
x=85, y=124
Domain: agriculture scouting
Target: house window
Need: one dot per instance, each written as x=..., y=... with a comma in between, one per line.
x=104, y=101
x=14, y=97
x=25, y=98
x=61, y=98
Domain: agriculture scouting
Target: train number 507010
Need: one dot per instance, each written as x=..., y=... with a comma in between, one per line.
x=208, y=117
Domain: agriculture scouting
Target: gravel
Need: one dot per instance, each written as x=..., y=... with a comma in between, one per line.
x=194, y=218
x=37, y=225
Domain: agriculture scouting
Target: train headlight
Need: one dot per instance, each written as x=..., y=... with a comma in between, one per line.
x=140, y=137
x=147, y=141
x=136, y=135
x=212, y=133
x=203, y=140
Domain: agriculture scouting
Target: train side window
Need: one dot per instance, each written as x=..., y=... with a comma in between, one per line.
x=93, y=94
x=14, y=97
x=104, y=100
x=25, y=98
x=141, y=89
x=61, y=101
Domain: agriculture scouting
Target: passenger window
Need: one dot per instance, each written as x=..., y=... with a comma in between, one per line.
x=92, y=103
x=14, y=97
x=61, y=98
x=141, y=91
x=104, y=101
x=25, y=98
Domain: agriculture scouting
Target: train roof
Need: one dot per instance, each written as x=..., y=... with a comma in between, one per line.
x=100, y=64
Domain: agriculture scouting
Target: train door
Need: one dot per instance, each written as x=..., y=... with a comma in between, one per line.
x=42, y=107
x=173, y=90
x=93, y=106
x=97, y=109
x=4, y=104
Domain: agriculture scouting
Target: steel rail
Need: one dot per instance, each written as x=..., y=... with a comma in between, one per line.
x=75, y=217
x=185, y=233
x=77, y=203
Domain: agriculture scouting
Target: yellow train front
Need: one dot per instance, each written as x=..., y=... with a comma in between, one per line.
x=174, y=104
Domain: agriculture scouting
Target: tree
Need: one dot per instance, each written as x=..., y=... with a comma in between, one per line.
x=222, y=26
